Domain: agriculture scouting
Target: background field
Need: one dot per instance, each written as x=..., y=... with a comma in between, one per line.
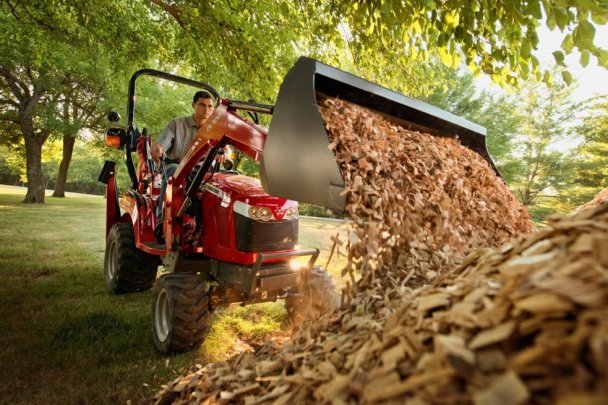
x=65, y=339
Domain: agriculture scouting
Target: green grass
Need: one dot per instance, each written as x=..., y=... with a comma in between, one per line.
x=64, y=339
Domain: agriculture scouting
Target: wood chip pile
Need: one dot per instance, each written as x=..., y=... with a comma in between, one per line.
x=527, y=323
x=419, y=202
x=597, y=200
x=524, y=323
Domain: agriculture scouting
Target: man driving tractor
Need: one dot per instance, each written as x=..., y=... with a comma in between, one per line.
x=174, y=140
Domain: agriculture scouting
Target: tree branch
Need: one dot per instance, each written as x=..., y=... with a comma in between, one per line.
x=9, y=102
x=33, y=100
x=38, y=20
x=13, y=83
x=173, y=11
x=13, y=9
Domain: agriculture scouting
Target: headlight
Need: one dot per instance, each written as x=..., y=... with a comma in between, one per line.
x=260, y=213
x=265, y=213
x=297, y=266
x=291, y=213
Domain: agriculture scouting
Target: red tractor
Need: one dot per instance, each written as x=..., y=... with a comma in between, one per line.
x=226, y=239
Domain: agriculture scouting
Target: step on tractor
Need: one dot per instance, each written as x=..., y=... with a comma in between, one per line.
x=229, y=238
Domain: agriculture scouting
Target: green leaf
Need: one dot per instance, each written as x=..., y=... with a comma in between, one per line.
x=568, y=44
x=459, y=34
x=533, y=39
x=535, y=61
x=370, y=28
x=602, y=60
x=385, y=41
x=524, y=69
x=567, y=77
x=525, y=48
x=430, y=4
x=585, y=58
x=284, y=9
x=417, y=27
x=587, y=31
x=442, y=39
x=559, y=58
x=474, y=68
x=562, y=18
x=582, y=15
x=599, y=19
x=577, y=38
x=550, y=16
x=452, y=18
x=548, y=78
x=534, y=9
x=457, y=59
x=446, y=57
x=587, y=5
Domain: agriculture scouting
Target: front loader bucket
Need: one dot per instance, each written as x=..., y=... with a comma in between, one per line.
x=297, y=163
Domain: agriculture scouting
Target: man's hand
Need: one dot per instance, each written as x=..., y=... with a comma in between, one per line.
x=157, y=152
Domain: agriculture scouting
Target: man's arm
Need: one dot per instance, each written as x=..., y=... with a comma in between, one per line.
x=165, y=140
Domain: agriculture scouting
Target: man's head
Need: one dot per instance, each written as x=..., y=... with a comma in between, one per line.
x=203, y=104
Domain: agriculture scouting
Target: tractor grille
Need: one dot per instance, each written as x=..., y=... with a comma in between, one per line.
x=260, y=236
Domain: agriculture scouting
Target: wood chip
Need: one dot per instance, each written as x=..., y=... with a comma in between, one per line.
x=544, y=303
x=332, y=389
x=494, y=335
x=397, y=389
x=433, y=301
x=507, y=389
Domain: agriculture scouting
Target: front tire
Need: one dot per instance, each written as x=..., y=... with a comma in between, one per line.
x=315, y=296
x=180, y=312
x=126, y=268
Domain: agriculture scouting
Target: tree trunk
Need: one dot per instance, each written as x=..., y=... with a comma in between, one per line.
x=62, y=175
x=27, y=98
x=35, y=178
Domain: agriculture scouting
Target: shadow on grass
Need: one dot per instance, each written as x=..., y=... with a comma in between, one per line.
x=91, y=328
x=64, y=339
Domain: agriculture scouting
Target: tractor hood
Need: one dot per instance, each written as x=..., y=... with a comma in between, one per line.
x=248, y=190
x=241, y=184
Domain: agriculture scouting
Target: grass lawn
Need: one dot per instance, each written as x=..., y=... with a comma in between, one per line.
x=64, y=339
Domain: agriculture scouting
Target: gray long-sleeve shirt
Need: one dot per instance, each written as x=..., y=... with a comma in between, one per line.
x=176, y=137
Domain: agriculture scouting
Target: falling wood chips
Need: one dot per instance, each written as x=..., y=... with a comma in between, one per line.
x=525, y=323
x=419, y=202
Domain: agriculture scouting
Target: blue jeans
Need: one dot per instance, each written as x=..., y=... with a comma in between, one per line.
x=170, y=169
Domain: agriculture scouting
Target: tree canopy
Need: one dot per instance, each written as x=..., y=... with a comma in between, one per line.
x=590, y=172
x=63, y=63
x=494, y=37
x=54, y=64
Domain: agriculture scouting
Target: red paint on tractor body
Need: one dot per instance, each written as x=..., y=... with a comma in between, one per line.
x=214, y=234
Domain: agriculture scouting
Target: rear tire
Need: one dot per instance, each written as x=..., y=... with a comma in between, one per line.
x=126, y=268
x=180, y=312
x=315, y=296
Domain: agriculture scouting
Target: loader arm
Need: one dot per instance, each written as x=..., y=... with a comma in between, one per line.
x=223, y=127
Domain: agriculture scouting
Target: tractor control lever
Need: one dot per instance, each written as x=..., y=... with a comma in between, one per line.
x=149, y=160
x=163, y=166
x=198, y=180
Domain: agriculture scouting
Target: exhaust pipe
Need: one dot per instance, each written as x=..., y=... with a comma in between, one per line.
x=297, y=162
